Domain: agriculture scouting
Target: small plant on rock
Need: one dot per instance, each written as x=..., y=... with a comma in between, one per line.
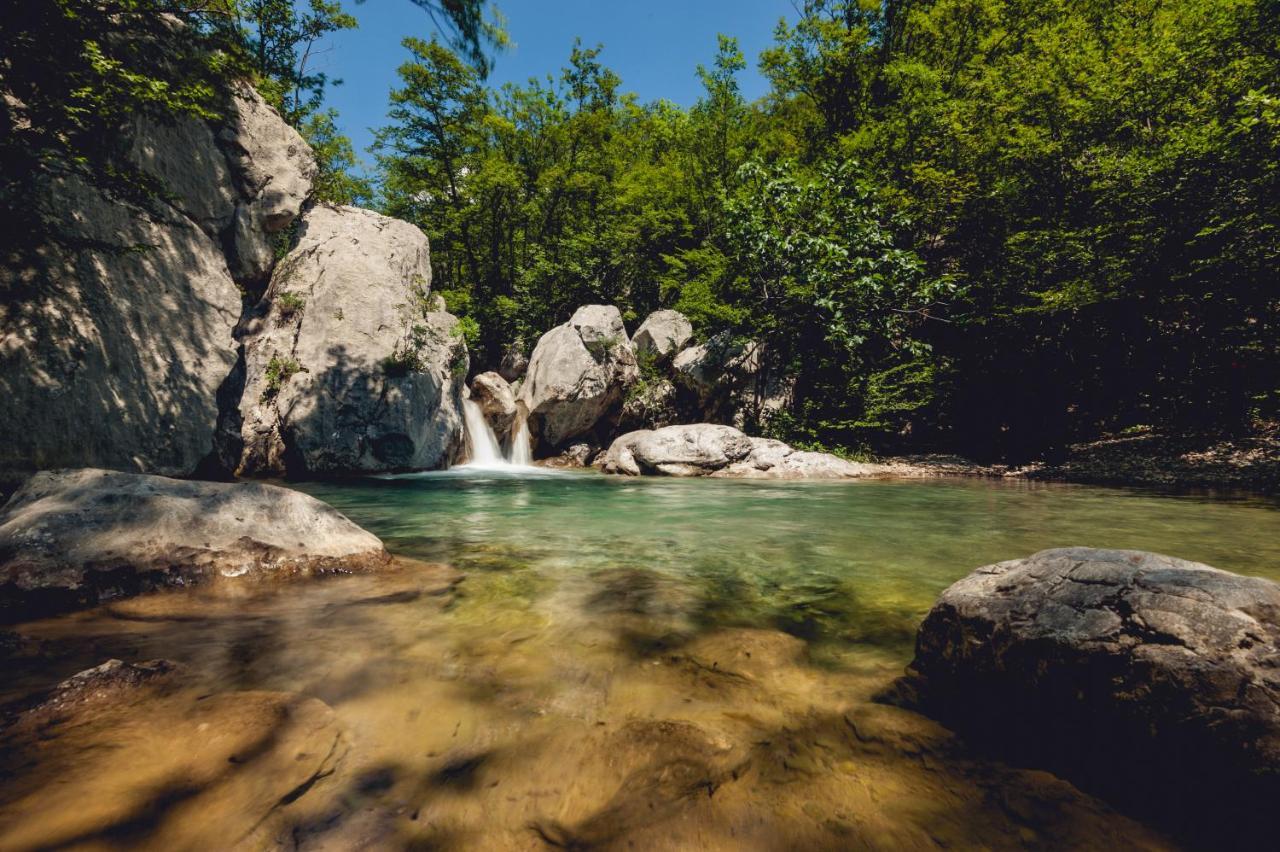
x=279, y=371
x=290, y=304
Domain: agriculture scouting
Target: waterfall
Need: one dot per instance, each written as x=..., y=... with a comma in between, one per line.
x=484, y=448
x=521, y=445
x=483, y=444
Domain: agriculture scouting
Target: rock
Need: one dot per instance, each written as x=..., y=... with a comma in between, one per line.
x=147, y=756
x=732, y=381
x=710, y=368
x=74, y=537
x=577, y=455
x=650, y=404
x=349, y=371
x=492, y=393
x=1149, y=679
x=116, y=322
x=693, y=450
x=662, y=335
x=514, y=363
x=577, y=375
x=704, y=449
x=254, y=173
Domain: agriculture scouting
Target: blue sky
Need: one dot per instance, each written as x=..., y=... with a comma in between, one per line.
x=653, y=45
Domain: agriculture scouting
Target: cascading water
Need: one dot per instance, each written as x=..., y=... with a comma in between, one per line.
x=521, y=444
x=485, y=450
x=483, y=444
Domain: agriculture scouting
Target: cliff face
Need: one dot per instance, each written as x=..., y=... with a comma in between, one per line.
x=116, y=335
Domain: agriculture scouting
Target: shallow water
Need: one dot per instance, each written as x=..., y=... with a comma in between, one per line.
x=849, y=562
x=656, y=664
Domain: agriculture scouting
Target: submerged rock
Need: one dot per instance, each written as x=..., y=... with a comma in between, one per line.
x=706, y=449
x=140, y=756
x=578, y=374
x=492, y=393
x=70, y=538
x=663, y=334
x=349, y=369
x=1152, y=680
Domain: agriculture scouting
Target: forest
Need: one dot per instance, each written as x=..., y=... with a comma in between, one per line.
x=993, y=227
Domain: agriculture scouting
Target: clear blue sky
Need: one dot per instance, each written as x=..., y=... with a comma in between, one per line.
x=653, y=45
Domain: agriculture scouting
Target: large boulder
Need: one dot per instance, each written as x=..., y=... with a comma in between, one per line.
x=74, y=537
x=496, y=400
x=116, y=314
x=662, y=334
x=578, y=374
x=347, y=368
x=1152, y=680
x=706, y=449
x=732, y=381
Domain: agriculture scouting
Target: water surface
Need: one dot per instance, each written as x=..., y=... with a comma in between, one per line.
x=576, y=661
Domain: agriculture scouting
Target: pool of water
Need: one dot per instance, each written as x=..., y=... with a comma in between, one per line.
x=576, y=661
x=847, y=562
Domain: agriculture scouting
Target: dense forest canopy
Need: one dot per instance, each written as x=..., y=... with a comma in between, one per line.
x=995, y=226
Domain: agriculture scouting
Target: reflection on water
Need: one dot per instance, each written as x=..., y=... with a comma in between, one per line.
x=609, y=663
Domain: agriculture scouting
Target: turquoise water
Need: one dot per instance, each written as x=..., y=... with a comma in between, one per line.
x=851, y=562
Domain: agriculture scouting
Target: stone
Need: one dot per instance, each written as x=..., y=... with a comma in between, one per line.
x=705, y=449
x=74, y=537
x=1151, y=680
x=577, y=375
x=576, y=456
x=732, y=381
x=514, y=363
x=116, y=326
x=349, y=370
x=115, y=341
x=691, y=450
x=275, y=169
x=147, y=755
x=650, y=404
x=662, y=334
x=492, y=393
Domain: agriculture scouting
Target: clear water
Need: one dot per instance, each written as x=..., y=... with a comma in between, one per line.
x=851, y=562
x=619, y=663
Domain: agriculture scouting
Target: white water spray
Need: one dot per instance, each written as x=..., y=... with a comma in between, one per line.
x=485, y=450
x=521, y=443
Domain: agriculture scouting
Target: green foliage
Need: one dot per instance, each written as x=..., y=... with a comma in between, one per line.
x=279, y=371
x=290, y=304
x=336, y=181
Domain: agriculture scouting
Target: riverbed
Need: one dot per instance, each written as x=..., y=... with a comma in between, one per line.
x=577, y=661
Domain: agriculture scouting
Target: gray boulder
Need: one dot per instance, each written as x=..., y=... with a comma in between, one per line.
x=514, y=363
x=1152, y=680
x=705, y=449
x=74, y=537
x=732, y=381
x=577, y=375
x=692, y=450
x=662, y=334
x=347, y=369
x=496, y=400
x=650, y=404
x=116, y=330
x=246, y=179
